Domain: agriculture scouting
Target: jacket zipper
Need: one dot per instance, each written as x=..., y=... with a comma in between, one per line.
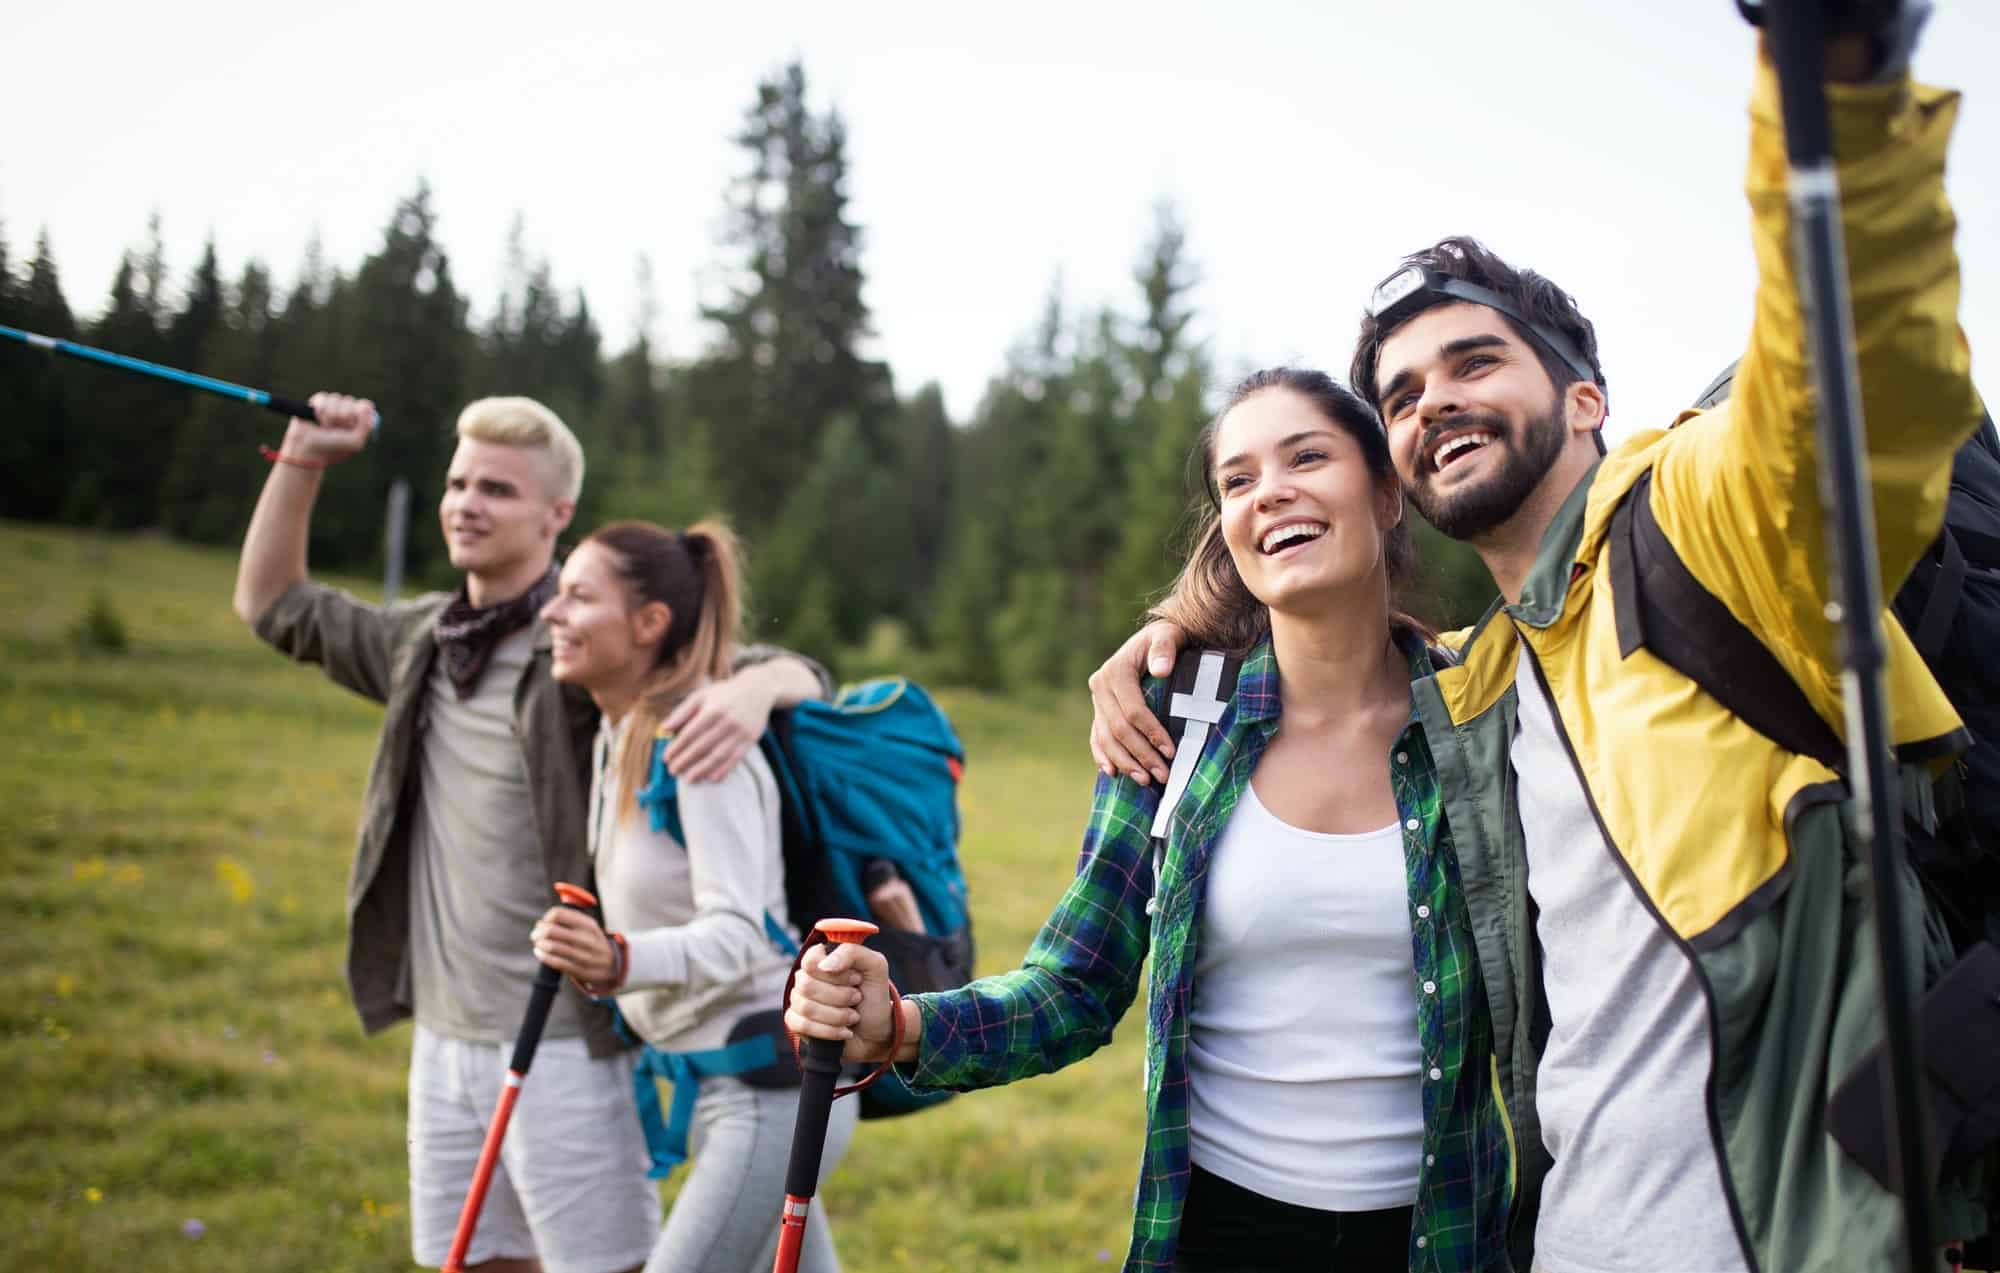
x=1707, y=991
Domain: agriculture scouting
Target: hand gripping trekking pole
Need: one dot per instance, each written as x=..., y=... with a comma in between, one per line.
x=540, y=1000
x=208, y=384
x=819, y=1068
x=1797, y=40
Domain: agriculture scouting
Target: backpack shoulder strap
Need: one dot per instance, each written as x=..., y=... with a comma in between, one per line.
x=1197, y=695
x=1660, y=605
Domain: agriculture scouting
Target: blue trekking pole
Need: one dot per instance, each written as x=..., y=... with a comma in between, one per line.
x=241, y=393
x=1797, y=31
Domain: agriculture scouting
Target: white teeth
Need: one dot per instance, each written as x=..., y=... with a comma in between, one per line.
x=1286, y=534
x=1463, y=442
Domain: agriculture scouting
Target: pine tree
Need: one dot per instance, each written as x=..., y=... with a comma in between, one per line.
x=1165, y=277
x=1164, y=504
x=637, y=384
x=212, y=484
x=847, y=522
x=635, y=404
x=399, y=336
x=1161, y=502
x=37, y=444
x=115, y=475
x=6, y=280
x=787, y=361
x=928, y=475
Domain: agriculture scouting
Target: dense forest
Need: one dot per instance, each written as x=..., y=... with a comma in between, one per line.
x=1013, y=548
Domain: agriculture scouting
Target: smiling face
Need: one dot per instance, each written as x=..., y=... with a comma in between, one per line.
x=599, y=640
x=1475, y=425
x=1303, y=519
x=499, y=521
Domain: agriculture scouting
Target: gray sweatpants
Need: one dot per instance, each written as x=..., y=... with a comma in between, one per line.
x=726, y=1218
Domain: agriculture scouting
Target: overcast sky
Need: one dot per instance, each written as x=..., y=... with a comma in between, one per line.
x=991, y=150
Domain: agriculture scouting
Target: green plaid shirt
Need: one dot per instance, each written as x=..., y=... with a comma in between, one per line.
x=1083, y=972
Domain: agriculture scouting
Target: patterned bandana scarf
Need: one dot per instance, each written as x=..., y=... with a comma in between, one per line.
x=466, y=634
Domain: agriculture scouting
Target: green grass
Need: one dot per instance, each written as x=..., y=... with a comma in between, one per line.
x=176, y=824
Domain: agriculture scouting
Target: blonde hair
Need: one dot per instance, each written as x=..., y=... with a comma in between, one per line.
x=525, y=423
x=698, y=575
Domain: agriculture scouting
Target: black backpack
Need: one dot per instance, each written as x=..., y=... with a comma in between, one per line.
x=1950, y=607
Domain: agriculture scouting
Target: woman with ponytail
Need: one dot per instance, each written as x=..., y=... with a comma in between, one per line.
x=1319, y=1086
x=690, y=878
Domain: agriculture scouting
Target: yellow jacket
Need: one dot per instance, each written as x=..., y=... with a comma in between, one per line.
x=1736, y=845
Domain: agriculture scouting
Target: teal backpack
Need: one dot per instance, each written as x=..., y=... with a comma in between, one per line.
x=868, y=790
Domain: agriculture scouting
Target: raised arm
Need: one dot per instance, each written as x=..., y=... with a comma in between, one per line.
x=274, y=548
x=1739, y=496
x=353, y=641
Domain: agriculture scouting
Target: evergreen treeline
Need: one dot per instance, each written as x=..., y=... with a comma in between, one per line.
x=1015, y=549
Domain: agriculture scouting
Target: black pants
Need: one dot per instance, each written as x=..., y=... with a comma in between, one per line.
x=1229, y=1229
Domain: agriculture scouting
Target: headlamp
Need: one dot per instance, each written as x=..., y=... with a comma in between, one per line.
x=1417, y=287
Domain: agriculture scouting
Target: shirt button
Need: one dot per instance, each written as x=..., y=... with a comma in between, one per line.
x=1423, y=912
x=1422, y=1241
x=1430, y=987
x=1430, y=1160
x=1411, y=825
x=1402, y=758
x=1436, y=1074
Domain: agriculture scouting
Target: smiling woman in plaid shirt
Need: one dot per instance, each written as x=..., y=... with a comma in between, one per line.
x=1319, y=1082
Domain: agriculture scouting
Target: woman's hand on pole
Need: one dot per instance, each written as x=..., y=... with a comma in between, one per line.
x=343, y=429
x=1125, y=736
x=573, y=943
x=843, y=994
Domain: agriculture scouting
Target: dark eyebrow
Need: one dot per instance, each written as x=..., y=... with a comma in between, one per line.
x=1450, y=349
x=1289, y=440
x=1466, y=344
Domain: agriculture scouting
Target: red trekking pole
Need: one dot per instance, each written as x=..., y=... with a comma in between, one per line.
x=819, y=1068
x=540, y=1000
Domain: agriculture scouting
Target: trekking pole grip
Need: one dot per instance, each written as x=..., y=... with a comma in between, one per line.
x=819, y=1071
x=547, y=982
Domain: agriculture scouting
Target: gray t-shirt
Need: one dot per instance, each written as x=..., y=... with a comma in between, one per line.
x=1622, y=1087
x=477, y=881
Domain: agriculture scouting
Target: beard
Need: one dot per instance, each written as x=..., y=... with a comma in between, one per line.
x=1470, y=512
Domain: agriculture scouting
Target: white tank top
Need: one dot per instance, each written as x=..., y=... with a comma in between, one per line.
x=1302, y=1053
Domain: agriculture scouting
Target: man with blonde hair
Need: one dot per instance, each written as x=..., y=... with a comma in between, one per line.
x=475, y=807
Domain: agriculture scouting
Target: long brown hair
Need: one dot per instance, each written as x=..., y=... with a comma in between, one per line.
x=698, y=575
x=1210, y=603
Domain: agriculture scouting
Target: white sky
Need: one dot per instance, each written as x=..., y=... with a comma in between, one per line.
x=1308, y=146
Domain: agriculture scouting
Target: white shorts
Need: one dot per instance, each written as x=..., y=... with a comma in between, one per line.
x=570, y=1186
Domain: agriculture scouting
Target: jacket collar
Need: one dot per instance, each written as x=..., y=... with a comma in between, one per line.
x=1549, y=578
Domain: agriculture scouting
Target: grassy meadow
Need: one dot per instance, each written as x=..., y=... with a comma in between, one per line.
x=186, y=1085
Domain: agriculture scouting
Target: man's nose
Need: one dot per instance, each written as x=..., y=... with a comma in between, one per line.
x=1441, y=398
